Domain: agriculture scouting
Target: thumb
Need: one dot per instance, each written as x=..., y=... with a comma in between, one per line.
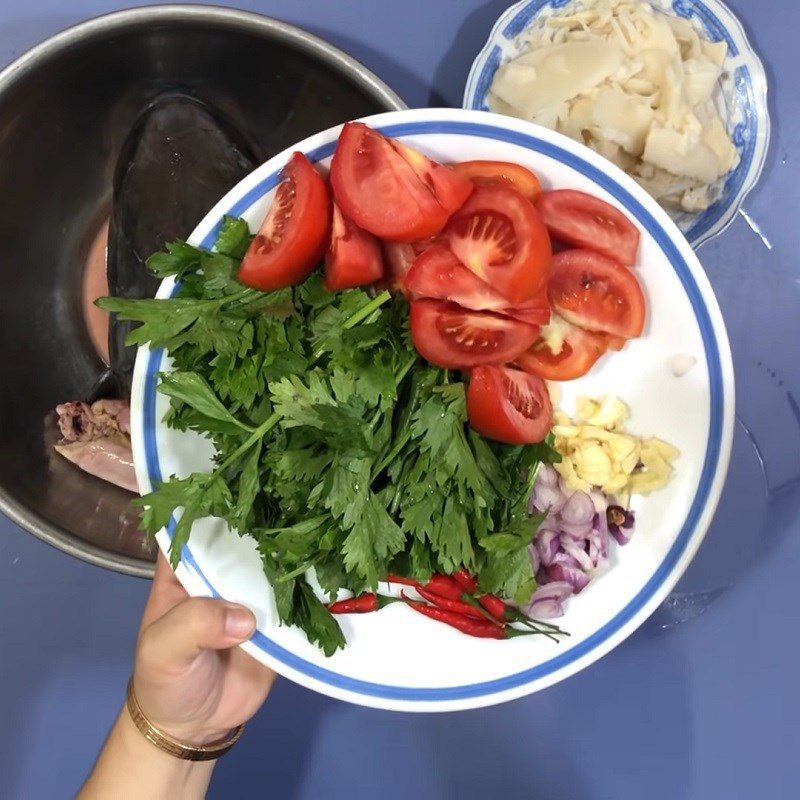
x=196, y=624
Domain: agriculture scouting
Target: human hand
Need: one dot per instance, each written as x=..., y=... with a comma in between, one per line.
x=190, y=679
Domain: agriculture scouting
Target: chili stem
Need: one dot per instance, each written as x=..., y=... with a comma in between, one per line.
x=524, y=619
x=479, y=608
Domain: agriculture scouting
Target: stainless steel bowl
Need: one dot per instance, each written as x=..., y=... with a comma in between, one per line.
x=65, y=109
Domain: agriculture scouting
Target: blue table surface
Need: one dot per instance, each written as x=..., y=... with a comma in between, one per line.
x=702, y=703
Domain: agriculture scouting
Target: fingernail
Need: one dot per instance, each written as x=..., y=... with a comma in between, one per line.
x=239, y=621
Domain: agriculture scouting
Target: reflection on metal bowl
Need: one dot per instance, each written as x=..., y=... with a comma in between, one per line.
x=66, y=108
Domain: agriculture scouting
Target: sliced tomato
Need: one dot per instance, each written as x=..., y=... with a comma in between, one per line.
x=497, y=233
x=450, y=189
x=389, y=189
x=292, y=238
x=508, y=405
x=580, y=220
x=535, y=311
x=574, y=354
x=615, y=342
x=399, y=257
x=504, y=172
x=438, y=274
x=354, y=256
x=597, y=293
x=457, y=338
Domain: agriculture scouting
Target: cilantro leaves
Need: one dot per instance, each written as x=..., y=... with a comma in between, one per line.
x=337, y=446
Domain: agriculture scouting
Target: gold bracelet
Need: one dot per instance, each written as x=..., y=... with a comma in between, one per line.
x=172, y=746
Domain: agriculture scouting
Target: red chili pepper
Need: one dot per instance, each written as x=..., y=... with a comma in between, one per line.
x=363, y=604
x=457, y=606
x=499, y=610
x=459, y=587
x=467, y=582
x=401, y=580
x=477, y=603
x=495, y=606
x=443, y=585
x=471, y=627
x=492, y=603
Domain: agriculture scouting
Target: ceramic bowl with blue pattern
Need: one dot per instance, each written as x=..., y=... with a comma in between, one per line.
x=741, y=99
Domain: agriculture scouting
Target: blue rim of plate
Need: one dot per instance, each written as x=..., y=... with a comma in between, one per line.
x=713, y=449
x=719, y=24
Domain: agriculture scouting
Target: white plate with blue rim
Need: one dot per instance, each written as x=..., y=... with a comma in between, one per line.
x=741, y=99
x=396, y=659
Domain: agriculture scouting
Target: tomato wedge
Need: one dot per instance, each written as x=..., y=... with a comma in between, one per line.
x=450, y=189
x=294, y=233
x=615, y=342
x=389, y=189
x=399, y=257
x=457, y=338
x=535, y=311
x=354, y=256
x=597, y=293
x=508, y=405
x=577, y=351
x=497, y=233
x=438, y=274
x=580, y=220
x=504, y=172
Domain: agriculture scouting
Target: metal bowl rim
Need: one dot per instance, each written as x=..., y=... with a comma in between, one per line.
x=230, y=18
x=98, y=27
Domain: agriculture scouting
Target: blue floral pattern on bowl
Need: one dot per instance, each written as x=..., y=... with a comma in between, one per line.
x=742, y=101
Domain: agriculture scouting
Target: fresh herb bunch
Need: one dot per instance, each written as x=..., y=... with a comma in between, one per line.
x=337, y=446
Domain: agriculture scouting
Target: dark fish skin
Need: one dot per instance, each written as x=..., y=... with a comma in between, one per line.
x=180, y=157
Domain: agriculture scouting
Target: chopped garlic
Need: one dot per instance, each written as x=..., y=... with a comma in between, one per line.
x=681, y=363
x=664, y=449
x=597, y=453
x=609, y=413
x=634, y=83
x=593, y=463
